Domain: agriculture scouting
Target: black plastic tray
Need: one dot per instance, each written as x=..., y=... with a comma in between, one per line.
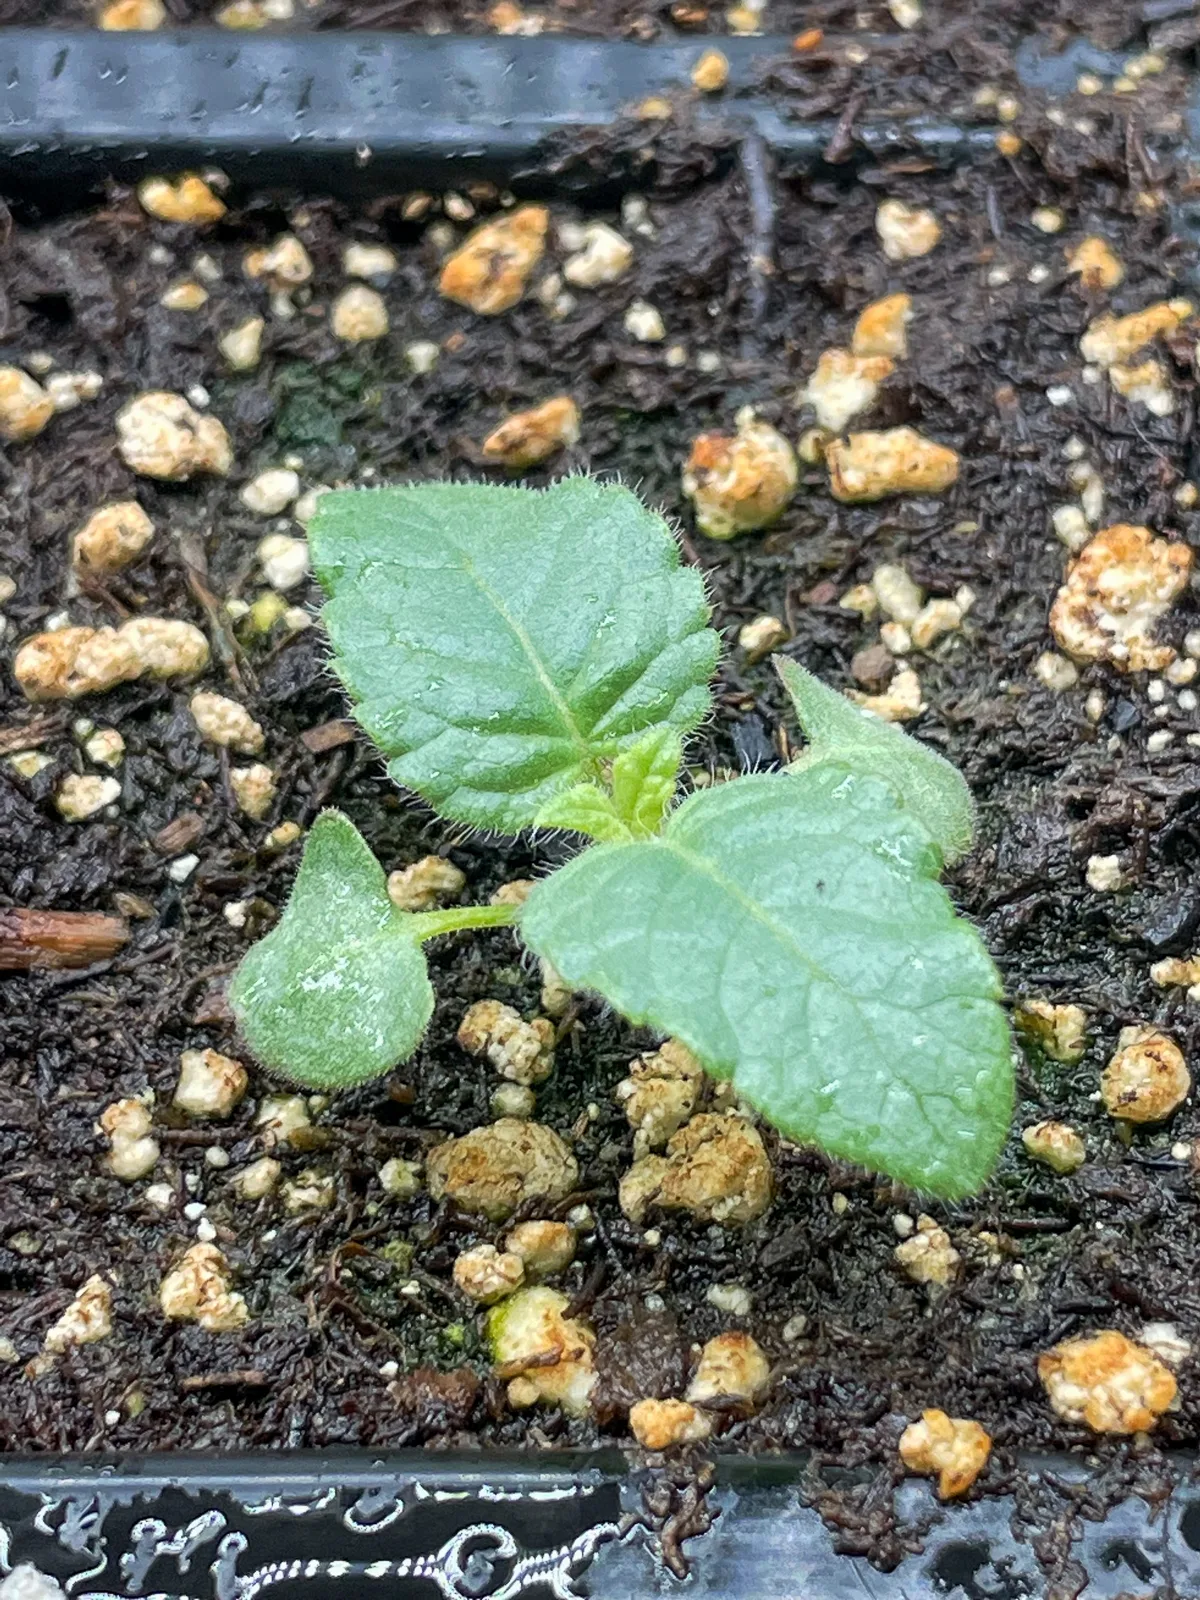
x=412, y=1525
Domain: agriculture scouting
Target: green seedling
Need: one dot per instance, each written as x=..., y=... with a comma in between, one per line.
x=536, y=659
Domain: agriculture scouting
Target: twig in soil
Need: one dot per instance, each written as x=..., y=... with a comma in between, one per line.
x=31, y=735
x=195, y=565
x=58, y=939
x=328, y=735
x=239, y=1378
x=842, y=139
x=755, y=163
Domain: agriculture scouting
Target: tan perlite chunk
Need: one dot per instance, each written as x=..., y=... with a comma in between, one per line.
x=715, y=1166
x=491, y=1170
x=489, y=270
x=1147, y=1079
x=161, y=436
x=1122, y=582
x=740, y=482
x=197, y=1290
x=869, y=466
x=952, y=1449
x=1107, y=1381
x=528, y=437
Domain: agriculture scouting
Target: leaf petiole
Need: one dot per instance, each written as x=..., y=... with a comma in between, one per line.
x=432, y=924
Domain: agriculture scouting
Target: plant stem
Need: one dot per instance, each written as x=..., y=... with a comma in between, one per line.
x=432, y=924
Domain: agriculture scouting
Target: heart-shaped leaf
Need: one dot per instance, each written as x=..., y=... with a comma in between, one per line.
x=338, y=992
x=839, y=731
x=789, y=929
x=501, y=643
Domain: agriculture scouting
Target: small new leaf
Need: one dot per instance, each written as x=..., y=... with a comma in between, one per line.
x=789, y=929
x=502, y=644
x=643, y=780
x=585, y=809
x=839, y=731
x=338, y=992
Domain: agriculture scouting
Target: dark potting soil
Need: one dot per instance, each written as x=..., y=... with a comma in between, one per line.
x=994, y=338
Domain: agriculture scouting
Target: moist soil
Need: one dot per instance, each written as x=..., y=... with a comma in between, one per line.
x=332, y=1294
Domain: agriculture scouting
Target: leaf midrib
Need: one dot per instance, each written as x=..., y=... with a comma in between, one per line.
x=519, y=633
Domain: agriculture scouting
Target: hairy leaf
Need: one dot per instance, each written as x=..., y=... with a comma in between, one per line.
x=642, y=788
x=338, y=992
x=585, y=808
x=839, y=731
x=790, y=930
x=643, y=780
x=501, y=643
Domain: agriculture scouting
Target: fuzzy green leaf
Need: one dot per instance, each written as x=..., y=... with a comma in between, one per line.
x=643, y=780
x=839, y=731
x=337, y=993
x=790, y=930
x=502, y=643
x=585, y=809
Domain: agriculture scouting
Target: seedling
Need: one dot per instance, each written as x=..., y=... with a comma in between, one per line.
x=535, y=659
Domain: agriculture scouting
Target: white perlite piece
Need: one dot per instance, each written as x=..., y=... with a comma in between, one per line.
x=284, y=560
x=253, y=789
x=280, y=1117
x=843, y=386
x=359, y=314
x=1104, y=874
x=67, y=390
x=762, y=635
x=644, y=322
x=399, y=1178
x=898, y=595
x=368, y=261
x=225, y=723
x=899, y=702
x=1056, y=1145
x=928, y=1256
x=81, y=796
x=906, y=231
x=257, y=1180
x=286, y=265
x=521, y=1051
x=188, y=199
x=486, y=1274
x=542, y=1247
x=210, y=1084
x=271, y=492
x=732, y=1366
x=197, y=1290
x=241, y=347
x=161, y=436
x=112, y=537
x=425, y=884
x=133, y=1152
x=734, y=1299
x=1055, y=672
x=105, y=747
x=308, y=1191
x=602, y=256
x=660, y=1093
